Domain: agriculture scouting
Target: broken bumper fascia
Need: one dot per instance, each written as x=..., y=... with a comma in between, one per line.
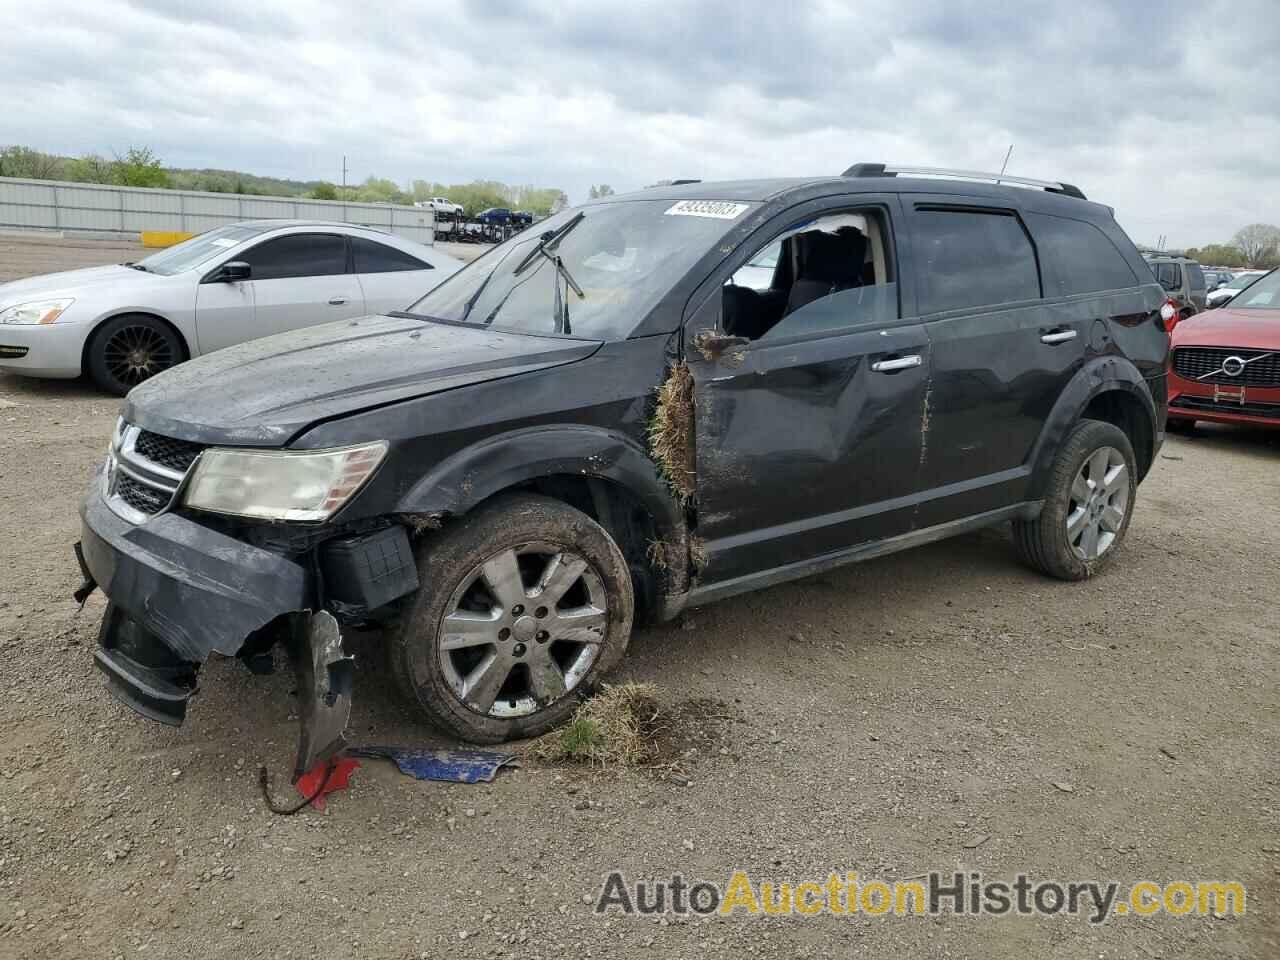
x=179, y=592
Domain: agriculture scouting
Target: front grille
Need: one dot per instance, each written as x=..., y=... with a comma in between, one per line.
x=141, y=497
x=145, y=471
x=167, y=451
x=1192, y=363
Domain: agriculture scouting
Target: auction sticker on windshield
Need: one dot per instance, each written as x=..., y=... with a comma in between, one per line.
x=718, y=209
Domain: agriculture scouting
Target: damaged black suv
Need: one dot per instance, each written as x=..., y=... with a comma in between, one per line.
x=647, y=403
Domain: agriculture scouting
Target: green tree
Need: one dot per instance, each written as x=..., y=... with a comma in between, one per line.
x=30, y=164
x=325, y=191
x=90, y=168
x=604, y=190
x=139, y=167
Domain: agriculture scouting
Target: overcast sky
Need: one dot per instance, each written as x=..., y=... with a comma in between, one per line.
x=1165, y=110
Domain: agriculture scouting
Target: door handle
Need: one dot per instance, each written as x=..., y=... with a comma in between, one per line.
x=337, y=301
x=897, y=363
x=1061, y=336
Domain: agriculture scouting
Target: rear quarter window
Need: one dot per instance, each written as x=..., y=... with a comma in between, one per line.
x=1077, y=257
x=372, y=257
x=973, y=258
x=1197, y=276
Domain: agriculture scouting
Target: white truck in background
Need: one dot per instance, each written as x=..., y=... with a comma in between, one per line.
x=441, y=205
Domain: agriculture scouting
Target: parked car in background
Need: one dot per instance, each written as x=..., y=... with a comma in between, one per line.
x=498, y=216
x=1240, y=281
x=592, y=424
x=521, y=218
x=1183, y=280
x=441, y=205
x=126, y=322
x=1226, y=364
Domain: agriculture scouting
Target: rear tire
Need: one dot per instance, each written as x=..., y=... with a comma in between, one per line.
x=1087, y=505
x=129, y=349
x=523, y=607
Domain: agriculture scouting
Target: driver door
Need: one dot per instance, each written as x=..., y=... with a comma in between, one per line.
x=808, y=430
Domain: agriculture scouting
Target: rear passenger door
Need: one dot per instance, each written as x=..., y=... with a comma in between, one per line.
x=391, y=279
x=1000, y=356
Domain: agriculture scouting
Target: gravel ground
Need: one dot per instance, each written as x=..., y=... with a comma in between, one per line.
x=939, y=709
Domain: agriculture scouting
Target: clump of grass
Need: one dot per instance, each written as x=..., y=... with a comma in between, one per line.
x=671, y=432
x=619, y=726
x=698, y=554
x=657, y=554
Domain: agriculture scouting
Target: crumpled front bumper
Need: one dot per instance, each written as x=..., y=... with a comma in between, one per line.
x=199, y=591
x=180, y=592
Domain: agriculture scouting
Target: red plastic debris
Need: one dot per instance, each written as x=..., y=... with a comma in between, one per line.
x=339, y=776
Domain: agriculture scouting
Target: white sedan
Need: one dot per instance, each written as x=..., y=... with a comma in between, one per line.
x=126, y=322
x=1217, y=298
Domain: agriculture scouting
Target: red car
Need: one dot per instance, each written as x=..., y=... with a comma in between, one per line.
x=1226, y=363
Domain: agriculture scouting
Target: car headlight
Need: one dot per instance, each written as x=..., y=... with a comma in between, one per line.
x=37, y=311
x=281, y=484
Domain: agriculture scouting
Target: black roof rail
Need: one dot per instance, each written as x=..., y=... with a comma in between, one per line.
x=887, y=170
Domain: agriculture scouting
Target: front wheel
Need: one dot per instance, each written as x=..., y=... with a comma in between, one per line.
x=1087, y=506
x=126, y=350
x=524, y=606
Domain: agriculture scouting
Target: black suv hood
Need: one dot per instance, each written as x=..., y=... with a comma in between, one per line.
x=262, y=393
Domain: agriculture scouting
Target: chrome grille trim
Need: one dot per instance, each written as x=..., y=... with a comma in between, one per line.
x=125, y=461
x=1204, y=365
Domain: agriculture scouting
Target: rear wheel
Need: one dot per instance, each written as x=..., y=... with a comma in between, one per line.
x=126, y=350
x=523, y=607
x=1087, y=507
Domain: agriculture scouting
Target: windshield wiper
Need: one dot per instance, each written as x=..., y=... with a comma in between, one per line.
x=548, y=241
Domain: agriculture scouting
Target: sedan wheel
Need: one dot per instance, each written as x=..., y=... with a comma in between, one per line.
x=127, y=350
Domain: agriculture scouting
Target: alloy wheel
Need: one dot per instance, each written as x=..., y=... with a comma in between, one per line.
x=1099, y=502
x=522, y=630
x=137, y=352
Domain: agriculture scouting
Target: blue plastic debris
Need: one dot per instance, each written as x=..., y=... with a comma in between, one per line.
x=456, y=766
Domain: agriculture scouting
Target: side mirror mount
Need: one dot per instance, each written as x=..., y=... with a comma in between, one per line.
x=233, y=271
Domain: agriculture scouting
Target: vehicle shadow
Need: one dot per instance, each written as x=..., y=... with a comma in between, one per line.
x=1230, y=437
x=17, y=389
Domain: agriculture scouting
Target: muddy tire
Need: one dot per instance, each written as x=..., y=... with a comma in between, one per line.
x=524, y=606
x=131, y=348
x=1087, y=506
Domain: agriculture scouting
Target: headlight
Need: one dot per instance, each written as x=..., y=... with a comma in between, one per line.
x=281, y=484
x=37, y=311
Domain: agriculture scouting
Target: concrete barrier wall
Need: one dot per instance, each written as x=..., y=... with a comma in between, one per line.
x=98, y=208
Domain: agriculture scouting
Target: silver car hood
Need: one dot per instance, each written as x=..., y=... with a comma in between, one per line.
x=74, y=283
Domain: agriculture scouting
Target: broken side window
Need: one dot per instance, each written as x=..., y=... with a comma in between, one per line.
x=830, y=273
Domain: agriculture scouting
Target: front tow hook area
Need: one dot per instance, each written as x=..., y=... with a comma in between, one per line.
x=325, y=676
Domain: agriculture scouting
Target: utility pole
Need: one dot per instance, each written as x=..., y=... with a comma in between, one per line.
x=344, y=176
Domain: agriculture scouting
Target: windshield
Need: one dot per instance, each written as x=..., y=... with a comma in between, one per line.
x=197, y=250
x=1263, y=293
x=622, y=256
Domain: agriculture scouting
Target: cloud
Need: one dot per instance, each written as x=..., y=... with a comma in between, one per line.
x=1163, y=111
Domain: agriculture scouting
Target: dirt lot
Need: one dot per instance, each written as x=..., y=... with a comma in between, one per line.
x=885, y=719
